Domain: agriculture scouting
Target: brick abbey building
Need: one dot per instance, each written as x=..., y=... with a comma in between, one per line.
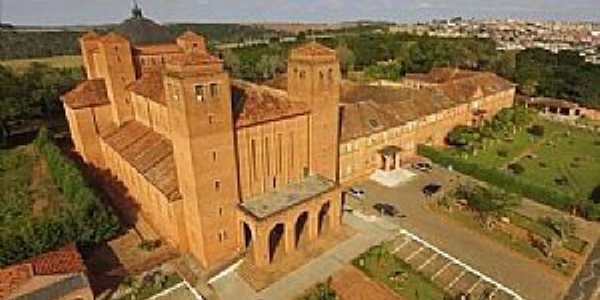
x=223, y=168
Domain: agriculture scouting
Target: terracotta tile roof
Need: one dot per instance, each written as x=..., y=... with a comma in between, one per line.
x=190, y=35
x=113, y=37
x=149, y=153
x=254, y=104
x=441, y=75
x=12, y=277
x=63, y=261
x=543, y=101
x=91, y=35
x=479, y=85
x=280, y=82
x=313, y=49
x=370, y=109
x=66, y=260
x=89, y=93
x=195, y=58
x=151, y=86
x=158, y=49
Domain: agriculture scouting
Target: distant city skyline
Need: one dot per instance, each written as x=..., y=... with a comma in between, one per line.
x=91, y=12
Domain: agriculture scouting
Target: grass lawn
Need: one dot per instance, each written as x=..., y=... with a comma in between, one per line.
x=565, y=158
x=381, y=265
x=144, y=288
x=67, y=61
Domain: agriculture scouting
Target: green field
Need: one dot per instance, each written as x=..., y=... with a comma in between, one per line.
x=67, y=61
x=565, y=158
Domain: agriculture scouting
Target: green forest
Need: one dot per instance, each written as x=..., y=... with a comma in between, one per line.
x=32, y=44
x=34, y=92
x=32, y=95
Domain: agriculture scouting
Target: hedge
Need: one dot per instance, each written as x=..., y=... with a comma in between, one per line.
x=84, y=219
x=502, y=179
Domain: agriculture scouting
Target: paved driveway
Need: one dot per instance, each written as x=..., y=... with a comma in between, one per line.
x=527, y=277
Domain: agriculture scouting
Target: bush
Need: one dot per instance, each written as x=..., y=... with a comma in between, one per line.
x=537, y=130
x=516, y=168
x=502, y=153
x=499, y=178
x=595, y=195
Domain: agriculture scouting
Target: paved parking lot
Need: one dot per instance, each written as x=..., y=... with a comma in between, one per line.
x=518, y=273
x=448, y=272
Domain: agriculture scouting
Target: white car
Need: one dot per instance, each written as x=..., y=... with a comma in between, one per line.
x=423, y=166
x=356, y=192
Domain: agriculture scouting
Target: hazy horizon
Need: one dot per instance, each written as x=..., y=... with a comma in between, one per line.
x=94, y=12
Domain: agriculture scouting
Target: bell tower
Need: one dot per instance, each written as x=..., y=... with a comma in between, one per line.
x=314, y=78
x=199, y=107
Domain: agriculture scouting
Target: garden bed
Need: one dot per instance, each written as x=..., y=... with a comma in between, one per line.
x=382, y=266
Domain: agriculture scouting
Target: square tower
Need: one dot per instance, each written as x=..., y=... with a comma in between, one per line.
x=314, y=78
x=202, y=131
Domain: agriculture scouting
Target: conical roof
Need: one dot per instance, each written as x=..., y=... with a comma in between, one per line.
x=140, y=30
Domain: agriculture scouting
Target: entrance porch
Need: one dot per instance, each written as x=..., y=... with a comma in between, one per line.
x=278, y=224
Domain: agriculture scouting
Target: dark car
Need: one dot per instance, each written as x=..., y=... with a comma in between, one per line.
x=432, y=189
x=386, y=209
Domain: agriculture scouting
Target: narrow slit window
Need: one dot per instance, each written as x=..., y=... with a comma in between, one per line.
x=214, y=90
x=199, y=89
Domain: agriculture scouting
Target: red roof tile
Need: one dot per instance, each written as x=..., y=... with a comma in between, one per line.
x=313, y=49
x=89, y=93
x=66, y=260
x=257, y=104
x=151, y=86
x=149, y=153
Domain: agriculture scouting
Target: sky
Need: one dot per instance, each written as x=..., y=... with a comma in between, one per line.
x=91, y=12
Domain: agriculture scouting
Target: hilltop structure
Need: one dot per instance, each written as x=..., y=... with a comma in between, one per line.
x=223, y=168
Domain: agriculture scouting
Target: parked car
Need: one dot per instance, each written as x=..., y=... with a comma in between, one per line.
x=356, y=192
x=422, y=166
x=432, y=189
x=386, y=209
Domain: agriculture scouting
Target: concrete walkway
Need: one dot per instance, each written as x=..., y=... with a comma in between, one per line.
x=232, y=287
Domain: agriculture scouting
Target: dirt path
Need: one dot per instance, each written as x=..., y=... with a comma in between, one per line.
x=350, y=283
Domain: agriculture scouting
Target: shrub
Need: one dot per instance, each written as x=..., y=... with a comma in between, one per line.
x=516, y=168
x=537, y=130
x=502, y=153
x=463, y=136
x=149, y=245
x=595, y=195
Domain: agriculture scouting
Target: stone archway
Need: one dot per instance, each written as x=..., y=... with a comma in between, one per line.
x=301, y=230
x=324, y=218
x=276, y=243
x=247, y=235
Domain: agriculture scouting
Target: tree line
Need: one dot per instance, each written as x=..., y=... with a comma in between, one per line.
x=32, y=95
